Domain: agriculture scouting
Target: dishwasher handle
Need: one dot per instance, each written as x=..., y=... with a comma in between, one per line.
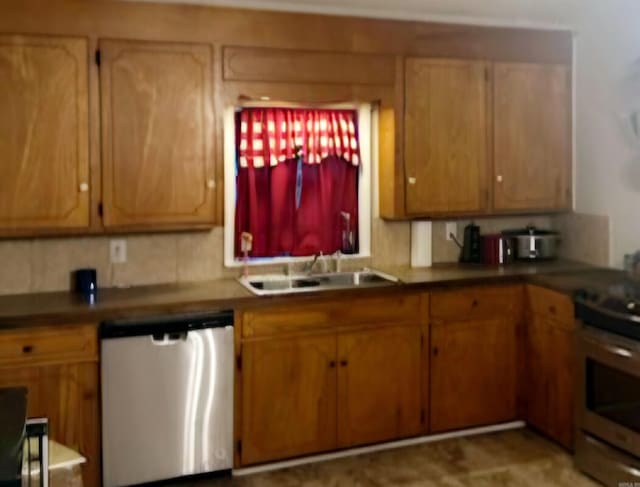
x=167, y=339
x=172, y=325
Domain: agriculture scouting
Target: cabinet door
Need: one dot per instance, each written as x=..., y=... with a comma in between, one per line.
x=68, y=396
x=157, y=134
x=379, y=385
x=562, y=386
x=473, y=373
x=532, y=137
x=536, y=389
x=44, y=154
x=550, y=377
x=446, y=136
x=288, y=397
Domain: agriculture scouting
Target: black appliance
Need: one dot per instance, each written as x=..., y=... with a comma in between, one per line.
x=608, y=393
x=13, y=415
x=471, y=248
x=86, y=283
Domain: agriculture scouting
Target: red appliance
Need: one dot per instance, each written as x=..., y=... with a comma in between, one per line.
x=496, y=249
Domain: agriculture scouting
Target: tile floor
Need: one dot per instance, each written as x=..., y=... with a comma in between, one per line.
x=518, y=458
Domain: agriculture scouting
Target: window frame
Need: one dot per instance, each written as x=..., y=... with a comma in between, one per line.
x=367, y=121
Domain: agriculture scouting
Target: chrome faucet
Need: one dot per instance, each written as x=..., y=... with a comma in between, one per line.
x=308, y=267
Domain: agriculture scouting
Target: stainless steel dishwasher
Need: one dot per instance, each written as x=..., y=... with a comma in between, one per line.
x=167, y=397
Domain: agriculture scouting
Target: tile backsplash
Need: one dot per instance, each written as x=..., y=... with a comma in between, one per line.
x=444, y=250
x=585, y=238
x=40, y=265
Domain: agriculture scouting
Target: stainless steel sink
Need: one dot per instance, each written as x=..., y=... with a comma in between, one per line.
x=273, y=284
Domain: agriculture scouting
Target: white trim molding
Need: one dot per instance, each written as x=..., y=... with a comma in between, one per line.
x=399, y=11
x=381, y=447
x=367, y=116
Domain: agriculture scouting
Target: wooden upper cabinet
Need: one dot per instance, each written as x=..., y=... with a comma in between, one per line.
x=262, y=64
x=156, y=102
x=445, y=137
x=44, y=138
x=379, y=385
x=532, y=137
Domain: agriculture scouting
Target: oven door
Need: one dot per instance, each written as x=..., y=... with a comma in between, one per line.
x=609, y=388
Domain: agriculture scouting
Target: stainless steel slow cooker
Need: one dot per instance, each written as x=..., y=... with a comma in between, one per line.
x=533, y=244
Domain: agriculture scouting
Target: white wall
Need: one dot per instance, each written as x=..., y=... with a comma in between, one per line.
x=608, y=164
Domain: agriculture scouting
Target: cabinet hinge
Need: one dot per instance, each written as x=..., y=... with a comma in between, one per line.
x=239, y=362
x=239, y=447
x=98, y=57
x=100, y=209
x=422, y=416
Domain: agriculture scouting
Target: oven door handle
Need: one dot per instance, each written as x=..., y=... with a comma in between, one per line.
x=618, y=351
x=634, y=472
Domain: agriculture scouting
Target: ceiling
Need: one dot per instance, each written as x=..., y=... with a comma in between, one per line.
x=542, y=13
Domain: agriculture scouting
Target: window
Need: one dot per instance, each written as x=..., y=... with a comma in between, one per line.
x=297, y=180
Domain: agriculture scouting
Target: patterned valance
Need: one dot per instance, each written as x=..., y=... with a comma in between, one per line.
x=267, y=136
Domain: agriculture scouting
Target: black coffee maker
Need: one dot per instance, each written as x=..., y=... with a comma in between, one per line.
x=471, y=252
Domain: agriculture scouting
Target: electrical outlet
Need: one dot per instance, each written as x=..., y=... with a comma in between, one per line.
x=118, y=248
x=451, y=229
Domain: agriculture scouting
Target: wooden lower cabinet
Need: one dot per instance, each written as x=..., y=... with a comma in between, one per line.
x=66, y=394
x=473, y=373
x=535, y=385
x=324, y=375
x=58, y=365
x=288, y=397
x=379, y=377
x=550, y=379
x=318, y=375
x=309, y=394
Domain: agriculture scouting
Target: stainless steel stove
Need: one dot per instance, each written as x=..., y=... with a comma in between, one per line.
x=608, y=405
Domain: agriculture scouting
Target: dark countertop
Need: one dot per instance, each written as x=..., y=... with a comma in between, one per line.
x=569, y=282
x=478, y=273
x=58, y=307
x=113, y=303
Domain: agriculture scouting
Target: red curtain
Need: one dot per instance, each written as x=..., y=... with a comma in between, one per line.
x=269, y=136
x=266, y=205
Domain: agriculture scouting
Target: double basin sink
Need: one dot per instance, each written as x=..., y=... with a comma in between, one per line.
x=274, y=284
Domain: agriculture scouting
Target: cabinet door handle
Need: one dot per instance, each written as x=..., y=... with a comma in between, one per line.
x=344, y=362
x=84, y=187
x=332, y=364
x=435, y=351
x=27, y=349
x=412, y=180
x=474, y=303
x=211, y=184
x=499, y=178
